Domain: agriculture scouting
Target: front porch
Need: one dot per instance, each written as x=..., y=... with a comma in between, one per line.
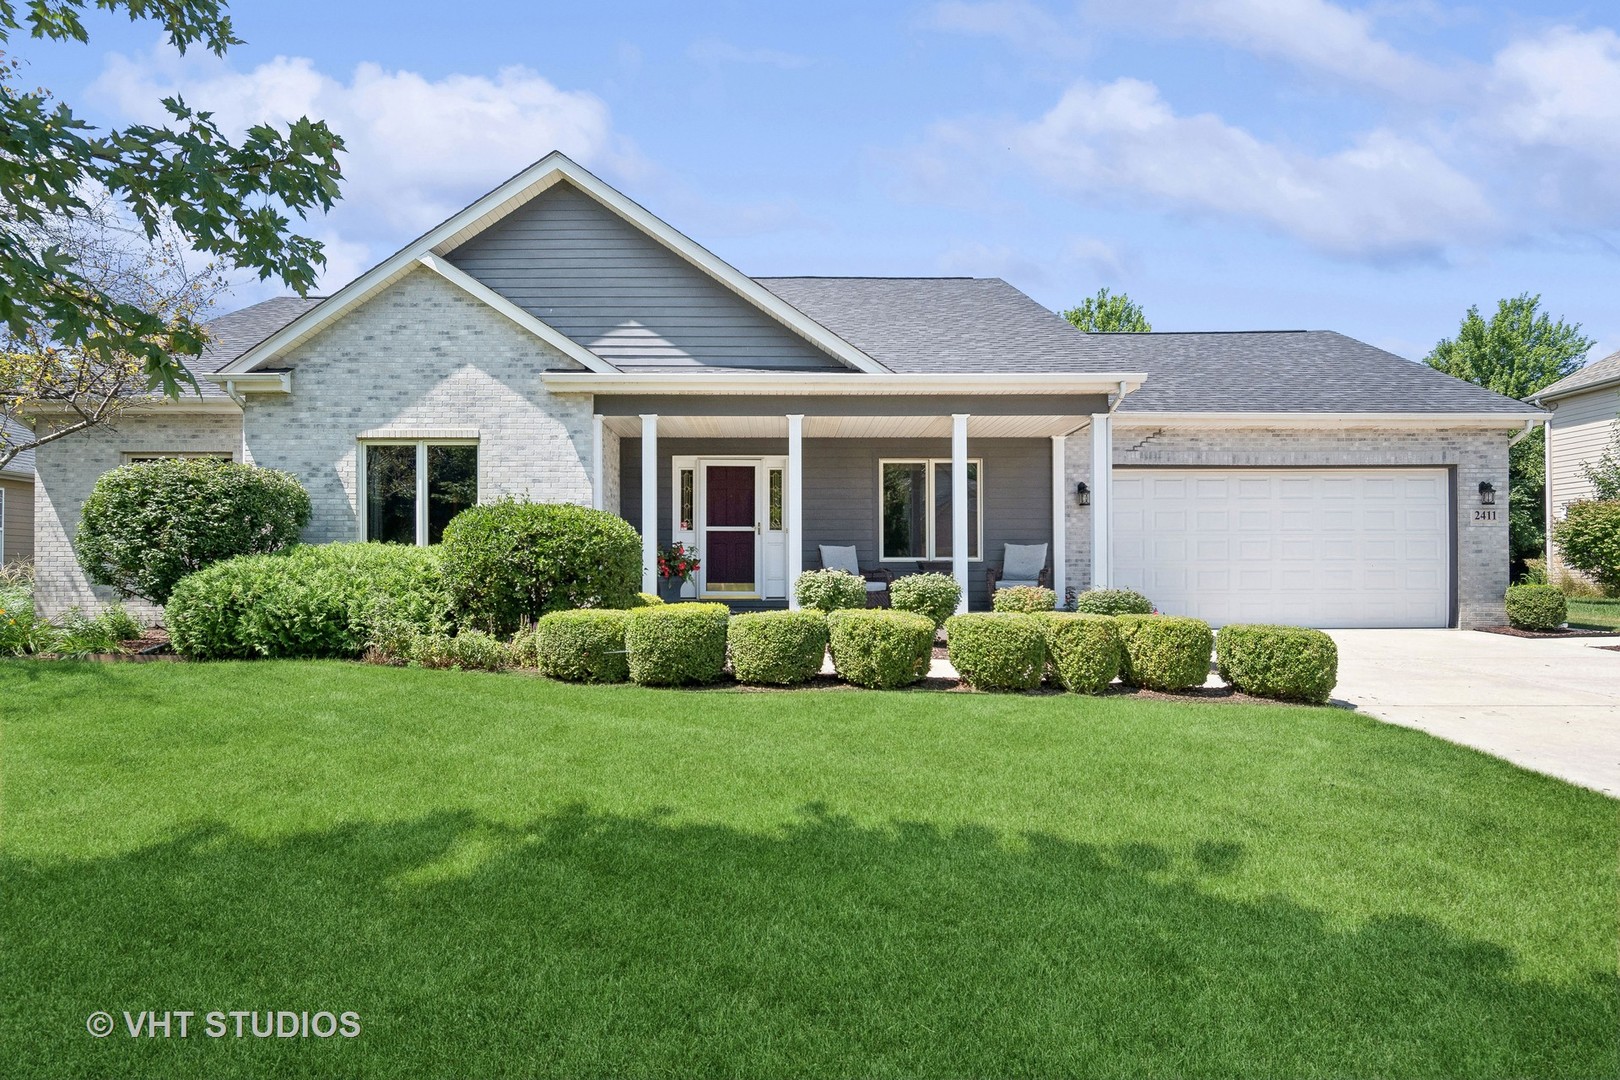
x=914, y=481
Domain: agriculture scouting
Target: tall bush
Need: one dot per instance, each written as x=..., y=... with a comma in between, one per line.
x=313, y=601
x=830, y=590
x=933, y=596
x=146, y=526
x=510, y=561
x=1589, y=540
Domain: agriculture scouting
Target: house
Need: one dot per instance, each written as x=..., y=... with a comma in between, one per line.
x=556, y=341
x=1584, y=408
x=17, y=502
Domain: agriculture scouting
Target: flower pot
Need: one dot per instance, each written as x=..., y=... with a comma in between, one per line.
x=669, y=589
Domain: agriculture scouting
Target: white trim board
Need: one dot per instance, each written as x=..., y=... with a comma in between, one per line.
x=483, y=212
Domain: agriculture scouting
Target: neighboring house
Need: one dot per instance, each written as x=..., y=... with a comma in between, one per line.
x=556, y=341
x=17, y=504
x=1584, y=409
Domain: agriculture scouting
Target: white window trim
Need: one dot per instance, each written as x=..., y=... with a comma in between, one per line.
x=421, y=481
x=931, y=464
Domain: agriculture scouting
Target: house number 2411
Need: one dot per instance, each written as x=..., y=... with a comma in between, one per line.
x=1483, y=516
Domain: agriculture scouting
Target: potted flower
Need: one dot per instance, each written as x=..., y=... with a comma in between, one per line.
x=676, y=565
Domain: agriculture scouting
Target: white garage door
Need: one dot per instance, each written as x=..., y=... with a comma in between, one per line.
x=1327, y=548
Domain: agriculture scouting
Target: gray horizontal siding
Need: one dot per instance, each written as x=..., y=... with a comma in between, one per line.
x=841, y=491
x=600, y=280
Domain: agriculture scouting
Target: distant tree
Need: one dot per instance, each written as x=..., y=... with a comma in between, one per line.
x=1108, y=313
x=1516, y=352
x=228, y=198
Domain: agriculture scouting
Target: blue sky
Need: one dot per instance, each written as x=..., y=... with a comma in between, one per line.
x=1372, y=168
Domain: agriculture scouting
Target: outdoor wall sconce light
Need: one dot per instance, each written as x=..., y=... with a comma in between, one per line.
x=1487, y=493
x=1082, y=494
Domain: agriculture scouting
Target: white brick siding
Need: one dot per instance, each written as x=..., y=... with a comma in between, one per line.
x=65, y=472
x=1482, y=558
x=422, y=355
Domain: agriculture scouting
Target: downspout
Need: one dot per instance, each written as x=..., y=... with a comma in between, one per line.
x=230, y=392
x=1529, y=426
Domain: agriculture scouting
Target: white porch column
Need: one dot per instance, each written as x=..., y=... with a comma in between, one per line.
x=649, y=503
x=1060, y=512
x=959, y=505
x=793, y=497
x=1102, y=501
x=597, y=463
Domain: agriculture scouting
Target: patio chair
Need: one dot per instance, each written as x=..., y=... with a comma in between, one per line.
x=1021, y=564
x=842, y=557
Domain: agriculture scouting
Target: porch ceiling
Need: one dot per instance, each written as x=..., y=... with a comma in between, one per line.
x=847, y=427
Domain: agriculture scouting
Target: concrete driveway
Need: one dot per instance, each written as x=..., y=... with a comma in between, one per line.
x=1548, y=705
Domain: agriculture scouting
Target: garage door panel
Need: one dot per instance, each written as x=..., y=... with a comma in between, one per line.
x=1335, y=547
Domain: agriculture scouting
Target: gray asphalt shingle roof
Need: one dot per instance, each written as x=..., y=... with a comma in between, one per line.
x=233, y=334
x=1598, y=371
x=984, y=324
x=23, y=463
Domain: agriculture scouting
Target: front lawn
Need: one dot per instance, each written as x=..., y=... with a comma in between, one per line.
x=1594, y=614
x=505, y=876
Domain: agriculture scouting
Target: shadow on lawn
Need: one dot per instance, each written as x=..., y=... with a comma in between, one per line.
x=586, y=943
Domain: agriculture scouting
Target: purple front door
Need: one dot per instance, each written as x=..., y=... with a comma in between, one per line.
x=730, y=523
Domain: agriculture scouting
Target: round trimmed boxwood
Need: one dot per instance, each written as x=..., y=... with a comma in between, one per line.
x=585, y=645
x=1290, y=663
x=1027, y=599
x=310, y=601
x=676, y=644
x=880, y=649
x=830, y=590
x=777, y=648
x=1536, y=607
x=1165, y=652
x=932, y=596
x=146, y=526
x=1113, y=602
x=1000, y=651
x=510, y=561
x=1083, y=652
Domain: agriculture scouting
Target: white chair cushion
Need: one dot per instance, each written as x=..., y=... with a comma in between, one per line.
x=835, y=557
x=1023, y=563
x=876, y=586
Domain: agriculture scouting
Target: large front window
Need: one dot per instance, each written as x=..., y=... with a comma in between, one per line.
x=413, y=489
x=916, y=509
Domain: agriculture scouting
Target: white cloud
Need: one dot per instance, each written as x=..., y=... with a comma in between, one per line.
x=1312, y=34
x=716, y=51
x=1383, y=196
x=1018, y=22
x=1103, y=259
x=418, y=149
x=1561, y=89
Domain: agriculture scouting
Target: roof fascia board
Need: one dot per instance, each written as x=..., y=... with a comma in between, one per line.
x=1505, y=421
x=1575, y=391
x=525, y=185
x=720, y=270
x=538, y=327
x=887, y=382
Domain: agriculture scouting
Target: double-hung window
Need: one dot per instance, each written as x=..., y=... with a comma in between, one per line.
x=412, y=488
x=915, y=509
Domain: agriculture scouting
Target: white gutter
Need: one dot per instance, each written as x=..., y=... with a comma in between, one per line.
x=1529, y=426
x=1325, y=419
x=588, y=382
x=251, y=382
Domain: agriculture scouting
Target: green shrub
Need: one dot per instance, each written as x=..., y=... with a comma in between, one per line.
x=1083, y=652
x=880, y=649
x=1113, y=602
x=586, y=645
x=1024, y=599
x=144, y=527
x=314, y=601
x=510, y=561
x=1002, y=651
x=677, y=644
x=120, y=623
x=1165, y=652
x=933, y=596
x=1286, y=662
x=645, y=599
x=1589, y=540
x=777, y=648
x=83, y=635
x=1536, y=607
x=22, y=633
x=830, y=590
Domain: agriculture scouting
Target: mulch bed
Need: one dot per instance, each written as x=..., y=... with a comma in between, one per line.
x=1514, y=631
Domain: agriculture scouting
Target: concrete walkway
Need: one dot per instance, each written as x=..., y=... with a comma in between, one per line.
x=1548, y=705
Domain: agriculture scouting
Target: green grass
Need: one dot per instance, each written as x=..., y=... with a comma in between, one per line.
x=505, y=876
x=1594, y=614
